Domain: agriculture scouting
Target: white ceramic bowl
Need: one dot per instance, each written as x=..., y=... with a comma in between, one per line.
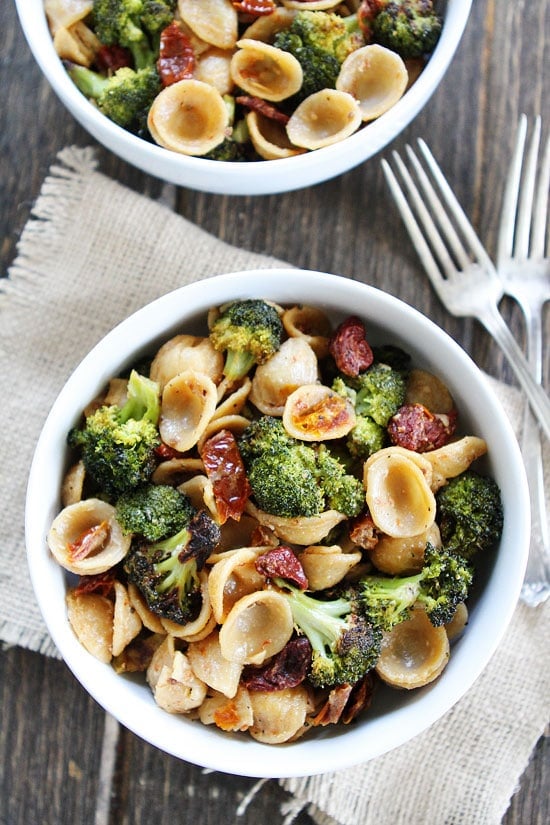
x=396, y=716
x=251, y=178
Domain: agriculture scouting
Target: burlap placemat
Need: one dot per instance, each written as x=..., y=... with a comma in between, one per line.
x=91, y=253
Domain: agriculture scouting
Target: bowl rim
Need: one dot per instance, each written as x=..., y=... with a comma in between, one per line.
x=219, y=177
x=132, y=704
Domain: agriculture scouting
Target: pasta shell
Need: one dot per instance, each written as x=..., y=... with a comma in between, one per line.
x=214, y=21
x=201, y=494
x=292, y=365
x=311, y=324
x=177, y=689
x=227, y=714
x=399, y=499
x=126, y=621
x=236, y=424
x=314, y=412
x=456, y=626
x=324, y=118
x=214, y=67
x=77, y=43
x=148, y=618
x=188, y=403
x=236, y=535
x=426, y=388
x=413, y=653
x=91, y=618
x=205, y=657
x=269, y=138
x=403, y=556
x=73, y=484
x=86, y=538
x=278, y=715
x=175, y=471
x=454, y=458
x=266, y=26
x=265, y=71
x=258, y=626
x=233, y=577
x=302, y=531
x=376, y=77
x=186, y=352
x=63, y=13
x=189, y=117
x=190, y=629
x=326, y=566
x=235, y=401
x=311, y=5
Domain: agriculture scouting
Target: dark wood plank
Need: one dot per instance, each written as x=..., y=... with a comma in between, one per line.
x=52, y=733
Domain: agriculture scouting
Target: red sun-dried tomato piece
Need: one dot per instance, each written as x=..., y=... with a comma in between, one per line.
x=282, y=562
x=112, y=58
x=349, y=347
x=225, y=469
x=101, y=583
x=176, y=55
x=286, y=669
x=416, y=428
x=364, y=532
x=254, y=7
x=91, y=541
x=264, y=108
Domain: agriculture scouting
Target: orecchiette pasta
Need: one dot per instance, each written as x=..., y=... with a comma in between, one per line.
x=212, y=614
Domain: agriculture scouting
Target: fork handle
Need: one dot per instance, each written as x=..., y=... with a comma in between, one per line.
x=494, y=323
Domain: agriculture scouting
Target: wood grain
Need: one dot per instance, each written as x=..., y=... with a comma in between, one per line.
x=59, y=760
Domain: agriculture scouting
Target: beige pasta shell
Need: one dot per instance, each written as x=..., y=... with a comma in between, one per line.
x=163, y=657
x=177, y=689
x=417, y=458
x=187, y=405
x=190, y=629
x=148, y=618
x=326, y=566
x=205, y=657
x=413, y=653
x=269, y=138
x=458, y=623
x=63, y=13
x=91, y=618
x=76, y=43
x=403, y=556
x=426, y=388
x=189, y=117
x=73, y=484
x=324, y=118
x=258, y=626
x=227, y=713
x=175, y=471
x=88, y=522
x=234, y=403
x=126, y=621
x=186, y=352
x=214, y=21
x=454, y=458
x=376, y=77
x=266, y=26
x=235, y=535
x=236, y=424
x=278, y=715
x=201, y=494
x=233, y=577
x=311, y=324
x=314, y=412
x=264, y=71
x=311, y=5
x=213, y=67
x=303, y=530
x=293, y=365
x=399, y=498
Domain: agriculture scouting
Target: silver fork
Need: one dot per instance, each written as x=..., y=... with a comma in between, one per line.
x=458, y=266
x=525, y=275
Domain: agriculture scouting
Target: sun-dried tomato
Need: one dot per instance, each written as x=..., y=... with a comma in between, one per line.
x=101, y=583
x=176, y=55
x=164, y=452
x=282, y=562
x=331, y=712
x=91, y=541
x=349, y=347
x=225, y=469
x=112, y=58
x=254, y=7
x=359, y=700
x=264, y=108
x=366, y=13
x=364, y=532
x=284, y=670
x=416, y=428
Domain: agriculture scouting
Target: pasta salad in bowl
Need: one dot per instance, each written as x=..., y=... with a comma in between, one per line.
x=279, y=537
x=245, y=97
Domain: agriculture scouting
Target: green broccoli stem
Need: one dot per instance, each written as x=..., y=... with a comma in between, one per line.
x=321, y=622
x=238, y=363
x=143, y=400
x=90, y=83
x=172, y=544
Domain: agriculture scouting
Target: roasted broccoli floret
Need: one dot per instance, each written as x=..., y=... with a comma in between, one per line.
x=118, y=444
x=469, y=514
x=320, y=41
x=249, y=332
x=440, y=586
x=167, y=572
x=134, y=24
x=344, y=645
x=153, y=511
x=290, y=478
x=380, y=392
x=366, y=437
x=125, y=97
x=409, y=27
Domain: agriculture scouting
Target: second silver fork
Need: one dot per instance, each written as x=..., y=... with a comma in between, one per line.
x=525, y=274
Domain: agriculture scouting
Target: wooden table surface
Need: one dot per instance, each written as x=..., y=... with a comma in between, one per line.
x=61, y=760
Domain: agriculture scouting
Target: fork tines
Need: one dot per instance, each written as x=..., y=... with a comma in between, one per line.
x=426, y=203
